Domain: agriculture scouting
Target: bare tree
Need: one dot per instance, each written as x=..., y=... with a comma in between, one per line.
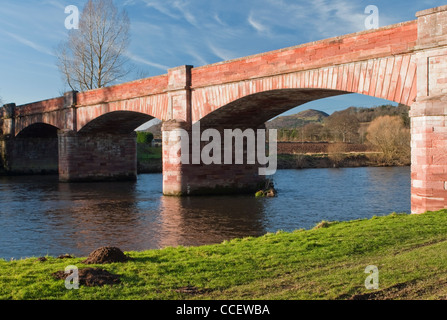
x=389, y=134
x=94, y=55
x=343, y=126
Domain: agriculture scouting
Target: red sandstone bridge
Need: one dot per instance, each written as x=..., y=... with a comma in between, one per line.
x=90, y=135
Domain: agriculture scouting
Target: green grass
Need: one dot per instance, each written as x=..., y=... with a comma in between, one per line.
x=327, y=262
x=146, y=152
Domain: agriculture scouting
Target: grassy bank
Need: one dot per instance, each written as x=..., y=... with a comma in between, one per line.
x=328, y=262
x=149, y=159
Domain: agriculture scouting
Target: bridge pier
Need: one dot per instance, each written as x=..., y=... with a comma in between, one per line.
x=7, y=133
x=5, y=158
x=185, y=172
x=429, y=114
x=33, y=155
x=97, y=156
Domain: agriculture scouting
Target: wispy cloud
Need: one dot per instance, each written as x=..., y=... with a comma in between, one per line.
x=256, y=24
x=182, y=7
x=201, y=61
x=223, y=54
x=54, y=3
x=217, y=18
x=339, y=17
x=138, y=59
x=29, y=43
x=164, y=7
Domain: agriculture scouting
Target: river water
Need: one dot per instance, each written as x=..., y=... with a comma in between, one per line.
x=40, y=216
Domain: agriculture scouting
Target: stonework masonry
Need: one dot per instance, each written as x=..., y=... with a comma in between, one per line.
x=428, y=114
x=98, y=157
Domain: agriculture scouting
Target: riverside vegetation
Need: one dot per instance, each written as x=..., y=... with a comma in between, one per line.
x=326, y=262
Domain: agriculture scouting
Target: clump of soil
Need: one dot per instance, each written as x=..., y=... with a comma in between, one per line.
x=106, y=255
x=91, y=277
x=322, y=224
x=65, y=256
x=191, y=290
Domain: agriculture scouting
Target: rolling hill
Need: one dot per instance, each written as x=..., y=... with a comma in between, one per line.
x=297, y=120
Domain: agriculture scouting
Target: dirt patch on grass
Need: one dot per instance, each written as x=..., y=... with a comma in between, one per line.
x=411, y=290
x=191, y=290
x=65, y=256
x=420, y=245
x=91, y=277
x=106, y=255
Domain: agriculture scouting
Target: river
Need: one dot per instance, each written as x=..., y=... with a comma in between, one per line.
x=40, y=216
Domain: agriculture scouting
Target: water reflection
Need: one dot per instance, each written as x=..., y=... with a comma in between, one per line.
x=197, y=220
x=39, y=215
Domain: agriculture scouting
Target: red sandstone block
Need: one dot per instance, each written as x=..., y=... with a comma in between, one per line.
x=440, y=158
x=423, y=144
x=434, y=204
x=422, y=160
x=439, y=177
x=440, y=145
x=421, y=192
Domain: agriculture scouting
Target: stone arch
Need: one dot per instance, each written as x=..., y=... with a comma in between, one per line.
x=256, y=109
x=392, y=78
x=51, y=120
x=115, y=122
x=35, y=150
x=38, y=130
x=154, y=106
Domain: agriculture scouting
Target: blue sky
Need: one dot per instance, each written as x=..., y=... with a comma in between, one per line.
x=170, y=33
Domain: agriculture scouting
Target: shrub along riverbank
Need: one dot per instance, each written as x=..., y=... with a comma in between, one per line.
x=327, y=262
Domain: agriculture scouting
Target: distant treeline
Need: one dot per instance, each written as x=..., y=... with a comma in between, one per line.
x=349, y=125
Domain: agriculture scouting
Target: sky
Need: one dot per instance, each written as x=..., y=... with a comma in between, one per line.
x=171, y=33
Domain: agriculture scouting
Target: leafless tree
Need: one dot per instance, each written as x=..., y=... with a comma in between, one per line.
x=344, y=127
x=389, y=134
x=94, y=55
x=337, y=152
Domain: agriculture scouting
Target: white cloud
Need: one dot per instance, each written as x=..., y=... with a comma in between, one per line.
x=54, y=3
x=138, y=59
x=256, y=24
x=29, y=43
x=199, y=58
x=181, y=6
x=163, y=7
x=223, y=54
x=217, y=18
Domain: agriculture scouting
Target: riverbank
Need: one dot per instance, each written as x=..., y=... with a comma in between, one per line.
x=306, y=155
x=327, y=262
x=297, y=161
x=149, y=159
x=294, y=155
